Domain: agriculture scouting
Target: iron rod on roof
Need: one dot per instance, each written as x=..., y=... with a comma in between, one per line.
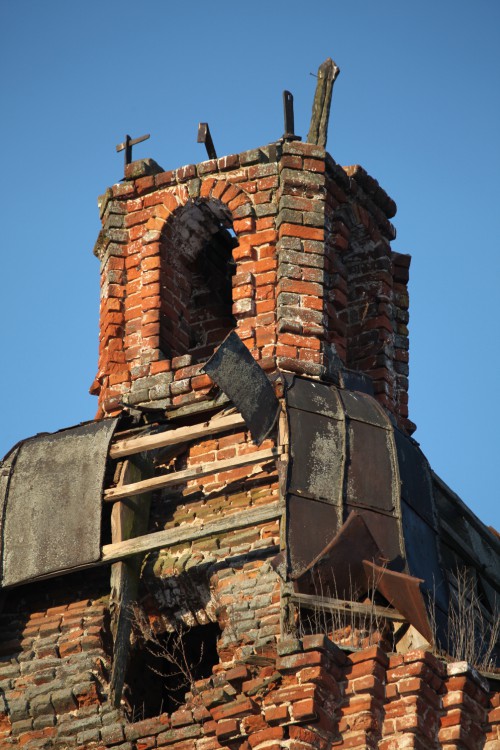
x=204, y=136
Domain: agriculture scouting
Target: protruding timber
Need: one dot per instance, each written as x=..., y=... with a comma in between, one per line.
x=128, y=520
x=318, y=130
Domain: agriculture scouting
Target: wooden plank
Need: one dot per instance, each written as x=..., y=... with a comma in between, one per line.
x=130, y=446
x=179, y=477
x=159, y=539
x=310, y=601
x=198, y=407
x=128, y=520
x=318, y=130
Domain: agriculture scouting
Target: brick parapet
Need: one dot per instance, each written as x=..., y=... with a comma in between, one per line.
x=465, y=709
x=53, y=673
x=415, y=683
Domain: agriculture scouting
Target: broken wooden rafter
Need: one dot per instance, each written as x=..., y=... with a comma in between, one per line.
x=310, y=601
x=128, y=519
x=130, y=446
x=196, y=472
x=159, y=539
x=318, y=129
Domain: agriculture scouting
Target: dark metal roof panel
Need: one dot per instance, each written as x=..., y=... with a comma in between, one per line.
x=415, y=475
x=311, y=526
x=422, y=555
x=317, y=447
x=371, y=473
x=313, y=397
x=53, y=502
x=364, y=408
x=237, y=373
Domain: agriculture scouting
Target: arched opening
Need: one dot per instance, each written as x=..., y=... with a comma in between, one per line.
x=196, y=280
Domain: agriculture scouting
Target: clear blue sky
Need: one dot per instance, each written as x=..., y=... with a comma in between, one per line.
x=416, y=105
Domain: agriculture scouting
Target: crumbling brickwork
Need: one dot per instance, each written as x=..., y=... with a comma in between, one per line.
x=292, y=252
x=264, y=689
x=315, y=285
x=305, y=694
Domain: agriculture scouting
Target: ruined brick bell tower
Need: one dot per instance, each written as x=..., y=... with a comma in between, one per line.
x=246, y=549
x=280, y=244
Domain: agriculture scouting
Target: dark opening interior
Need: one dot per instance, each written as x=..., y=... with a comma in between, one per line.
x=163, y=669
x=196, y=281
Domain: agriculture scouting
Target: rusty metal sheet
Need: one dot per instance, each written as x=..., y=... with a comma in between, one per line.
x=415, y=475
x=402, y=592
x=338, y=570
x=385, y=529
x=311, y=526
x=364, y=408
x=422, y=555
x=370, y=475
x=317, y=449
x=54, y=503
x=311, y=396
x=236, y=373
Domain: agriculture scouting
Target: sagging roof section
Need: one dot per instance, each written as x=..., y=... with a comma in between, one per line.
x=50, y=499
x=361, y=496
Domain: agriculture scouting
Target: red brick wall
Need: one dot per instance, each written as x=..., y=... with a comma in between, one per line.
x=314, y=281
x=310, y=694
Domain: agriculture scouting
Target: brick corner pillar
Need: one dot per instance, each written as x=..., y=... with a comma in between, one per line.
x=301, y=260
x=464, y=723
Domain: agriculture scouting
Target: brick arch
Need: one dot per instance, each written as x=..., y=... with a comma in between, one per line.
x=195, y=265
x=234, y=197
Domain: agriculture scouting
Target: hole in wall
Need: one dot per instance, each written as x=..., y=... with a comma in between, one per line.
x=163, y=668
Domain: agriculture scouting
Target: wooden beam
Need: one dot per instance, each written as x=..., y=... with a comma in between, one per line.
x=195, y=472
x=310, y=601
x=318, y=129
x=159, y=539
x=128, y=520
x=130, y=446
